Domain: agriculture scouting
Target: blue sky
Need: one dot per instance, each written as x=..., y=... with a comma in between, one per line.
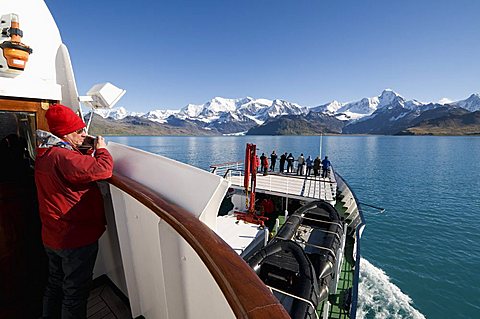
x=167, y=54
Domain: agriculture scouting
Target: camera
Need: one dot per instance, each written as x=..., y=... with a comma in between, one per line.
x=88, y=144
x=89, y=141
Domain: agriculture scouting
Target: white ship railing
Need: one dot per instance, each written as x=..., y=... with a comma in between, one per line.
x=296, y=297
x=357, y=223
x=300, y=186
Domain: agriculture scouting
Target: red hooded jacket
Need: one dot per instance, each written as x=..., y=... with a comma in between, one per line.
x=70, y=202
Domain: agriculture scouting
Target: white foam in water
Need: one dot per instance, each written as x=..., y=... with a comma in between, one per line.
x=378, y=298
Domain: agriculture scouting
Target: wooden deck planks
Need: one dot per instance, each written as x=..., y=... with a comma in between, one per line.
x=103, y=303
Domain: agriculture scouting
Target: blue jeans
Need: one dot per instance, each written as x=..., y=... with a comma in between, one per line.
x=325, y=172
x=70, y=273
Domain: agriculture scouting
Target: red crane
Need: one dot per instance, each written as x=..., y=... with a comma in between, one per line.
x=251, y=166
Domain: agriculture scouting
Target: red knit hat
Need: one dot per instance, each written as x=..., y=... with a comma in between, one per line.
x=62, y=120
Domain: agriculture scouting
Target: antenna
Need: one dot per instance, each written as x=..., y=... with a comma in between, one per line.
x=101, y=96
x=321, y=143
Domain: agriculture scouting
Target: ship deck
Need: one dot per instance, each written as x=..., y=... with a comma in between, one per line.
x=295, y=186
x=107, y=302
x=345, y=284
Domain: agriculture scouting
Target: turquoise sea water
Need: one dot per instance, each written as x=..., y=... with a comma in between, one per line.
x=422, y=257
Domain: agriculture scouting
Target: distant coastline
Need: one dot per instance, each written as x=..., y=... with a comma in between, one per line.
x=438, y=122
x=95, y=132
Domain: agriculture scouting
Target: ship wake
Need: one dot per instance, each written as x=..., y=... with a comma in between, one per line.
x=379, y=298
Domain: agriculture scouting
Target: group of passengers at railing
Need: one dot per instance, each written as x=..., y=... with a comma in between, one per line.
x=304, y=166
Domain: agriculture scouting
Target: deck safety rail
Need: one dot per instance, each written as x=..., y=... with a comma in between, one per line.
x=295, y=185
x=358, y=233
x=295, y=297
x=221, y=169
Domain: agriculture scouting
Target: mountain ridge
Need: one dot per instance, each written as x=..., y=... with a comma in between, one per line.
x=388, y=113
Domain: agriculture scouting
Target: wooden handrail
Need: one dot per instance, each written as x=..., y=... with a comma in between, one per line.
x=245, y=292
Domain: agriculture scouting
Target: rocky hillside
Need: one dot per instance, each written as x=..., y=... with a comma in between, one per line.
x=462, y=123
x=138, y=126
x=311, y=124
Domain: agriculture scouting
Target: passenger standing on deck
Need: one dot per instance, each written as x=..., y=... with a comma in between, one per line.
x=257, y=163
x=262, y=162
x=283, y=158
x=325, y=166
x=309, y=161
x=71, y=210
x=316, y=166
x=290, y=160
x=300, y=163
x=268, y=206
x=273, y=161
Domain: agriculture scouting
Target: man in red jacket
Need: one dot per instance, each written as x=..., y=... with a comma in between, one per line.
x=71, y=210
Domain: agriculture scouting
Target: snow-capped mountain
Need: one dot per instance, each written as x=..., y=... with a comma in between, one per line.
x=159, y=116
x=120, y=113
x=365, y=107
x=242, y=110
x=117, y=113
x=219, y=114
x=210, y=111
x=281, y=107
x=387, y=113
x=394, y=115
x=472, y=103
x=389, y=97
x=114, y=113
x=329, y=108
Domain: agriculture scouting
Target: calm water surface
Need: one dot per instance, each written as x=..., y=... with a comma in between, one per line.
x=425, y=247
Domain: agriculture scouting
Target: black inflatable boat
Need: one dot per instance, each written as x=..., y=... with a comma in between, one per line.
x=300, y=263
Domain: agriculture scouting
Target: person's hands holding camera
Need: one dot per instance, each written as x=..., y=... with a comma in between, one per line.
x=100, y=143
